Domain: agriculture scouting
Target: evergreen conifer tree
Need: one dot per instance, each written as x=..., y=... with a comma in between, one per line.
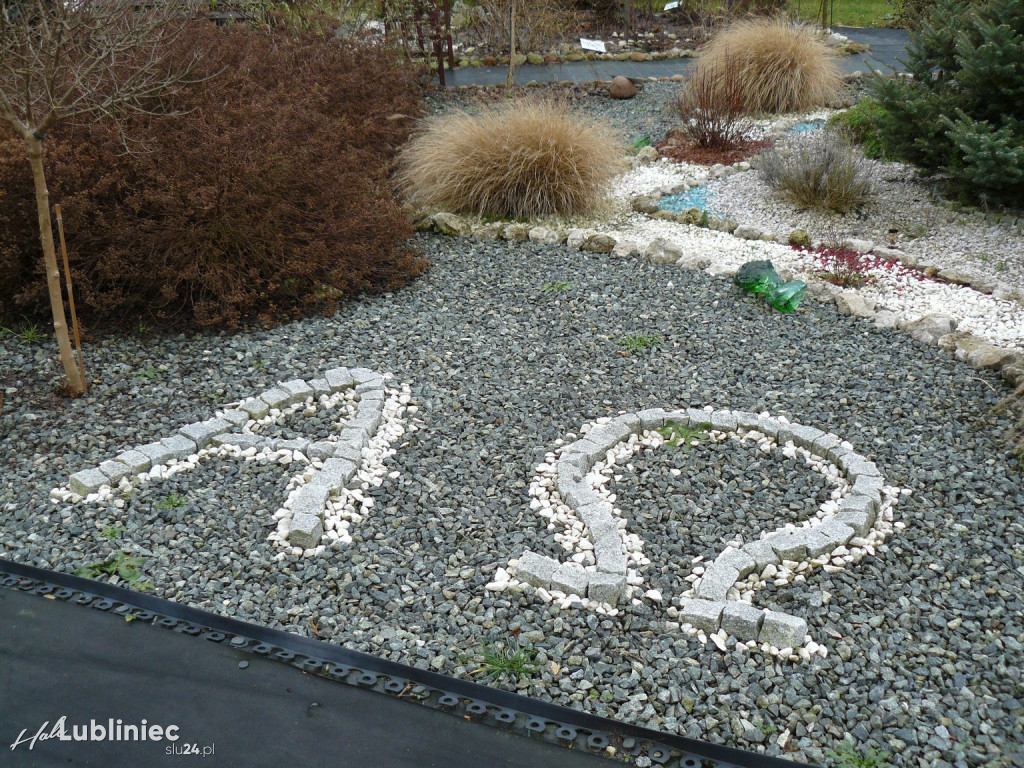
x=962, y=113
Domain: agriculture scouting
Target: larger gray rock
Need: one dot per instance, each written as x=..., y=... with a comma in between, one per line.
x=661, y=251
x=305, y=531
x=571, y=579
x=255, y=407
x=310, y=500
x=645, y=204
x=449, y=224
x=783, y=630
x=157, y=453
x=789, y=546
x=742, y=621
x=236, y=417
x=114, y=470
x=763, y=554
x=716, y=582
x=536, y=569
x=136, y=461
x=275, y=398
x=858, y=512
x=991, y=357
x=600, y=244
x=339, y=379
x=606, y=587
x=298, y=390
x=336, y=474
x=180, y=446
x=735, y=558
x=87, y=481
x=839, y=532
x=852, y=303
x=931, y=328
x=705, y=615
x=203, y=432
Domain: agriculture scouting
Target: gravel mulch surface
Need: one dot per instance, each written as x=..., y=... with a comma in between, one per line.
x=925, y=636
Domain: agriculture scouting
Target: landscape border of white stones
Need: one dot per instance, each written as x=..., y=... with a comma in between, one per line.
x=709, y=611
x=230, y=432
x=933, y=329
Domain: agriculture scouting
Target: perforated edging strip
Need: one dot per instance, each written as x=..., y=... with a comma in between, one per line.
x=490, y=706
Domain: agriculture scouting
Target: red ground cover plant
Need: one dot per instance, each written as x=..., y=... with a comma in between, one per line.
x=262, y=191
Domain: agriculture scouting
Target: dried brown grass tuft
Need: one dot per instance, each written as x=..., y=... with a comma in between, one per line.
x=781, y=67
x=824, y=171
x=514, y=160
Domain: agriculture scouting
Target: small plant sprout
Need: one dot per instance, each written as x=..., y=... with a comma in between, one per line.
x=846, y=755
x=121, y=565
x=506, y=659
x=638, y=342
x=639, y=142
x=28, y=334
x=148, y=373
x=112, y=532
x=559, y=286
x=172, y=501
x=683, y=436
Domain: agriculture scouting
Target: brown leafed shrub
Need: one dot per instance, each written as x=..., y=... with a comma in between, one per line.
x=781, y=67
x=266, y=192
x=513, y=160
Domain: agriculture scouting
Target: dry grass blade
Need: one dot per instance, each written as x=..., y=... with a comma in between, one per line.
x=781, y=67
x=515, y=160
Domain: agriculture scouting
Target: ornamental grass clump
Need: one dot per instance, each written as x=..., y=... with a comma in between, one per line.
x=780, y=66
x=825, y=172
x=516, y=160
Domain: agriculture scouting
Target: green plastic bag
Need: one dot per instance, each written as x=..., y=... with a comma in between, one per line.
x=760, y=277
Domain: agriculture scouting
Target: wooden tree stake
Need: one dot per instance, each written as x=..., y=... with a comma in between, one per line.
x=71, y=295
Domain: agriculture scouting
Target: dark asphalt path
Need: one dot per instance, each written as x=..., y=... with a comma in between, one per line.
x=887, y=47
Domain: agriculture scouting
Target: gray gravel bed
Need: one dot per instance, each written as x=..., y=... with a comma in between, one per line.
x=925, y=635
x=319, y=425
x=724, y=488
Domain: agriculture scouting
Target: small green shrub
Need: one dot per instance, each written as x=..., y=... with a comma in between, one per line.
x=824, y=172
x=962, y=113
x=861, y=123
x=683, y=435
x=780, y=66
x=515, y=160
x=639, y=342
x=506, y=659
x=120, y=564
x=846, y=755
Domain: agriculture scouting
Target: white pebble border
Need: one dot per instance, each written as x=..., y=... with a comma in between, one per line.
x=580, y=510
x=339, y=469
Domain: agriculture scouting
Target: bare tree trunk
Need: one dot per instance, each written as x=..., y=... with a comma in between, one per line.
x=60, y=326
